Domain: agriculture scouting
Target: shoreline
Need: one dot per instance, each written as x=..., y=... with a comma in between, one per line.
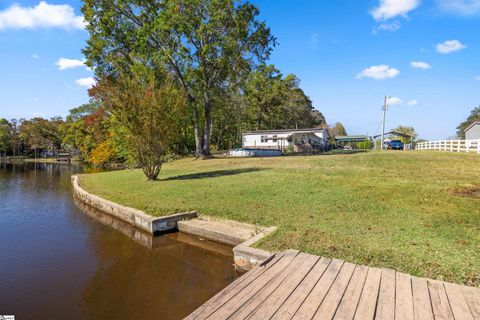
x=221, y=231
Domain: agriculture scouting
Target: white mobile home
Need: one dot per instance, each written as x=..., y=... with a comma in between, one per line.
x=298, y=140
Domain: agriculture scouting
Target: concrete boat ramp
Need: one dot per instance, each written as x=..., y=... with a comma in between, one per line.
x=295, y=285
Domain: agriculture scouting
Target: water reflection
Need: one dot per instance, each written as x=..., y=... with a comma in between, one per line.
x=63, y=260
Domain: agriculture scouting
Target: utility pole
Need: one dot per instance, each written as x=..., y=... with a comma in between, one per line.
x=384, y=110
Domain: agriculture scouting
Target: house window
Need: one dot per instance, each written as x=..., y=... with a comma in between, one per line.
x=263, y=139
x=274, y=139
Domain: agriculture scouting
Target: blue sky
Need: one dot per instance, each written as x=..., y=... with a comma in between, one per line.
x=347, y=53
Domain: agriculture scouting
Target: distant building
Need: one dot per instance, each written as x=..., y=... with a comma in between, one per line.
x=473, y=131
x=299, y=140
x=357, y=141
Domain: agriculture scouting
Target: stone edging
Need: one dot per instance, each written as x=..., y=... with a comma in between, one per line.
x=136, y=217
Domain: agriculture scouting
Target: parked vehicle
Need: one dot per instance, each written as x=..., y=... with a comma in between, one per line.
x=396, y=145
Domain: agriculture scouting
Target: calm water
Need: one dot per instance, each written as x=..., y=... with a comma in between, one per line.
x=62, y=260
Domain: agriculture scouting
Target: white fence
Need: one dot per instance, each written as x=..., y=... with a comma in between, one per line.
x=450, y=145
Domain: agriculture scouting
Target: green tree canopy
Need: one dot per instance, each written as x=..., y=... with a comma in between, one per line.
x=277, y=102
x=206, y=45
x=151, y=112
x=5, y=136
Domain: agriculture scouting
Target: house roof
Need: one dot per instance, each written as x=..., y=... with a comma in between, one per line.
x=351, y=138
x=285, y=131
x=470, y=126
x=395, y=133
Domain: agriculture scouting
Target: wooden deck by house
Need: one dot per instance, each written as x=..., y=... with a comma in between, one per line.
x=295, y=285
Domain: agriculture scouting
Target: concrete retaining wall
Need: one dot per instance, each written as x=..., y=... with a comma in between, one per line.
x=135, y=217
x=245, y=256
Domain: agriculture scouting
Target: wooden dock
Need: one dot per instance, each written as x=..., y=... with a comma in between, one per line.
x=295, y=285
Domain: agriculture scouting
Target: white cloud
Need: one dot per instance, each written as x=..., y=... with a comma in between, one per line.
x=394, y=26
x=34, y=56
x=420, y=65
x=413, y=102
x=450, y=46
x=389, y=9
x=387, y=26
x=64, y=63
x=43, y=15
x=463, y=7
x=86, y=82
x=394, y=101
x=380, y=72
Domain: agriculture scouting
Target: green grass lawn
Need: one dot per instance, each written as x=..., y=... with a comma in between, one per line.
x=391, y=209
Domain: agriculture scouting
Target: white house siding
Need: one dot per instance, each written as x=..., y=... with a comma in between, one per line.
x=473, y=133
x=279, y=140
x=255, y=141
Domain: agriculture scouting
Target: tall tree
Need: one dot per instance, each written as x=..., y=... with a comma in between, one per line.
x=5, y=136
x=277, y=102
x=472, y=117
x=150, y=111
x=41, y=134
x=205, y=44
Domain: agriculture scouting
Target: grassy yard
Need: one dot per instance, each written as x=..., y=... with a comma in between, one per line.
x=392, y=209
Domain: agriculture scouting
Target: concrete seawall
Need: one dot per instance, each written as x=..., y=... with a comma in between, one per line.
x=136, y=217
x=240, y=236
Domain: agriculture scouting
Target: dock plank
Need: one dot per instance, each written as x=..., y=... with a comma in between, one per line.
x=440, y=304
x=229, y=307
x=421, y=299
x=256, y=299
x=330, y=303
x=368, y=300
x=295, y=300
x=472, y=295
x=234, y=287
x=386, y=296
x=314, y=299
x=281, y=294
x=295, y=285
x=457, y=302
x=348, y=305
x=403, y=297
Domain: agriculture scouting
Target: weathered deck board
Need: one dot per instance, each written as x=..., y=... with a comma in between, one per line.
x=403, y=297
x=268, y=308
x=421, y=299
x=457, y=301
x=296, y=285
x=330, y=304
x=255, y=300
x=386, y=296
x=315, y=298
x=368, y=300
x=291, y=305
x=438, y=296
x=244, y=295
x=472, y=295
x=348, y=305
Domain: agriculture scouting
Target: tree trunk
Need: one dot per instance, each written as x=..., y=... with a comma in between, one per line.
x=207, y=127
x=198, y=135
